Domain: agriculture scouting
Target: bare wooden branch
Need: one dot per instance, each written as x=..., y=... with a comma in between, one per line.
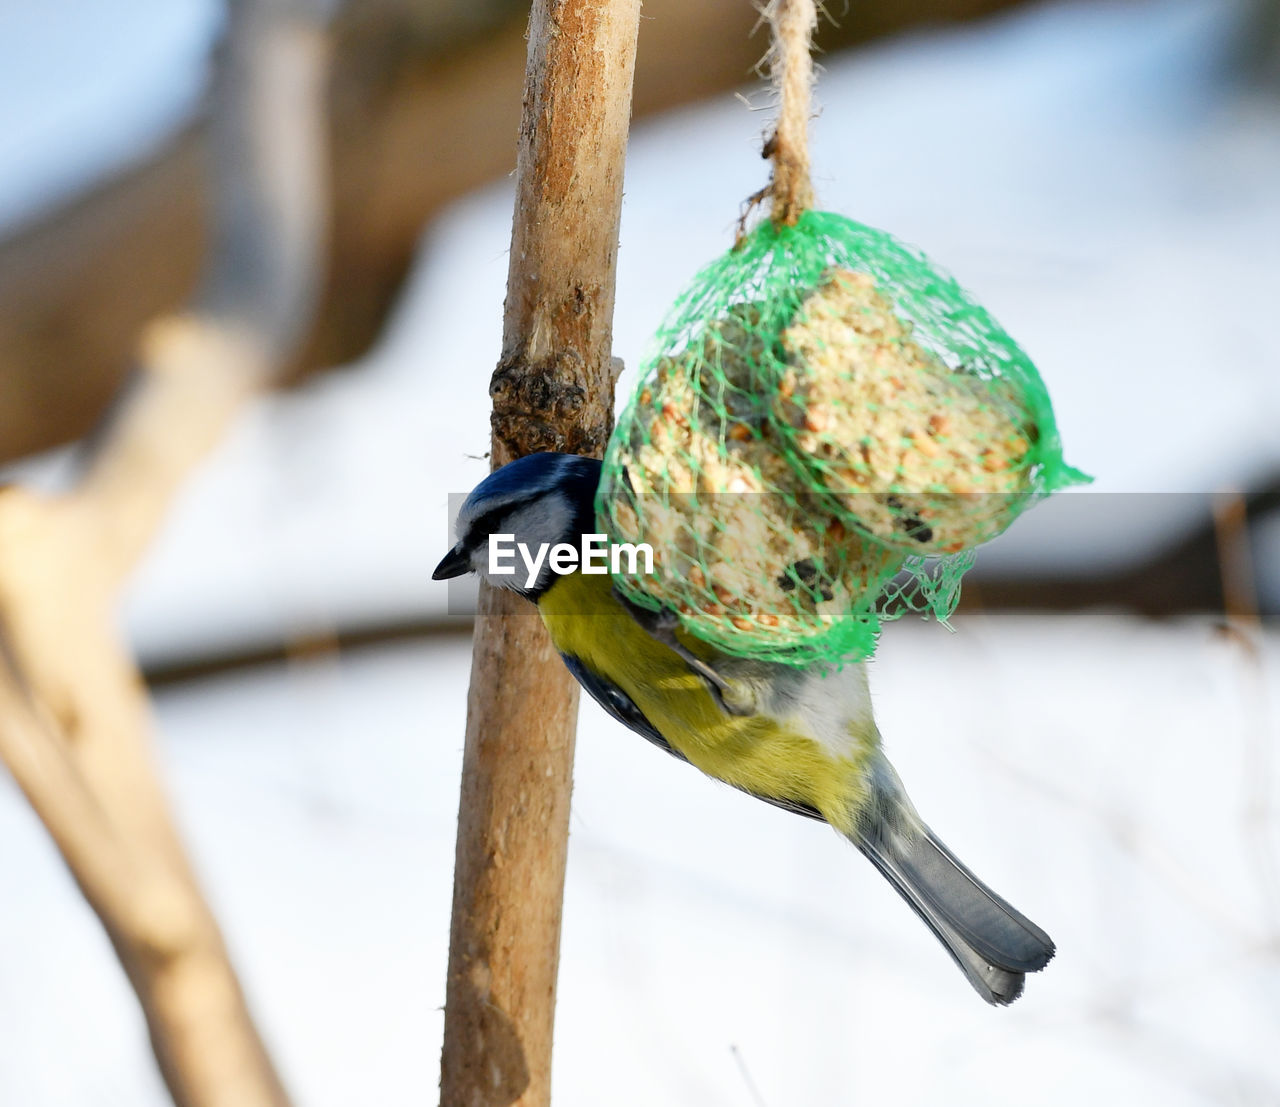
x=74, y=720
x=553, y=389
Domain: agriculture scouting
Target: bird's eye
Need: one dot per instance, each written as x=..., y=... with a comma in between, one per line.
x=483, y=526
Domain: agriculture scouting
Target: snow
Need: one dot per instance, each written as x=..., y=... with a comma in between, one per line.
x=1096, y=770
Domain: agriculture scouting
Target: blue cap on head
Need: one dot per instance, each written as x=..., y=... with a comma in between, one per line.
x=529, y=477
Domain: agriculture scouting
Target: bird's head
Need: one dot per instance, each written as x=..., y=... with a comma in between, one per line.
x=540, y=499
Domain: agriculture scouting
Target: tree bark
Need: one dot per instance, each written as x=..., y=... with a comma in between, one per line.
x=553, y=389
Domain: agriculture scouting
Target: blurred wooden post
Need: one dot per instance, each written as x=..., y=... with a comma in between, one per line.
x=552, y=390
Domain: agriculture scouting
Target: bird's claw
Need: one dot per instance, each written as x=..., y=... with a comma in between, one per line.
x=661, y=626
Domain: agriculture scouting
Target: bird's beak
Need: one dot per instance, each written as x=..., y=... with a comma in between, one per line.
x=453, y=564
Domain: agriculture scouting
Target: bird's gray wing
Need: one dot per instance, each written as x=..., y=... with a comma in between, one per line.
x=624, y=709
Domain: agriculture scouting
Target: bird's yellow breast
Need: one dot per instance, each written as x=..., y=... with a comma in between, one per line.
x=763, y=755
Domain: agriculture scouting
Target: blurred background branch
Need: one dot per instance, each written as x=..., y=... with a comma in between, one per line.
x=422, y=106
x=74, y=719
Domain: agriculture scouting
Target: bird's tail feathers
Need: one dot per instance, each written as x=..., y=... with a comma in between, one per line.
x=994, y=944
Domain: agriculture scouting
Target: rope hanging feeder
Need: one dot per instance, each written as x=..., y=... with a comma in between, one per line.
x=827, y=427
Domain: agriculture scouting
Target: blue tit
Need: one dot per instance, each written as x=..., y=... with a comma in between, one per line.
x=801, y=739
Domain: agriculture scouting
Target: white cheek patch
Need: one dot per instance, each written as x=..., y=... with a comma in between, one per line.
x=545, y=521
x=480, y=563
x=534, y=529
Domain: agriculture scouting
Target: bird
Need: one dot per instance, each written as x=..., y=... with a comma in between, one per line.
x=801, y=738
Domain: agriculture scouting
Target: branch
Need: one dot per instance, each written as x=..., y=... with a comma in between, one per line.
x=553, y=389
x=198, y=368
x=74, y=720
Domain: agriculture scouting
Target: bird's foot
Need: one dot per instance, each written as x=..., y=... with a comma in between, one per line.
x=661, y=626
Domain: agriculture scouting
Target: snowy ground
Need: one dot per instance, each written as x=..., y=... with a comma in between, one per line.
x=1098, y=771
x=1086, y=171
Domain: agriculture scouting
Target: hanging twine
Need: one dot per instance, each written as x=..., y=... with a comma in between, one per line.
x=792, y=23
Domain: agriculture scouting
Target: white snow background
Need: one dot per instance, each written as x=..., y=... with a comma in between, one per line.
x=1089, y=172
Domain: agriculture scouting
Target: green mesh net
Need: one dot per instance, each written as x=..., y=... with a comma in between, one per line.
x=827, y=427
